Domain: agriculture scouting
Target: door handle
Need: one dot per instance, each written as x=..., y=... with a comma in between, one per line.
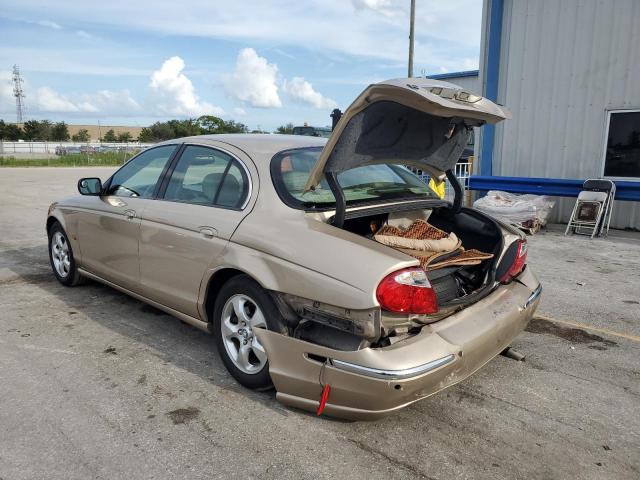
x=208, y=232
x=130, y=214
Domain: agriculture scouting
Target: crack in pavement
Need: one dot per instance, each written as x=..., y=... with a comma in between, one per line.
x=395, y=461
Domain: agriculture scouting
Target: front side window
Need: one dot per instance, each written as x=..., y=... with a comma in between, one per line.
x=622, y=158
x=138, y=177
x=290, y=170
x=207, y=176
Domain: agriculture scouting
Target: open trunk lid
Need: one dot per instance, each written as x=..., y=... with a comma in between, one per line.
x=411, y=121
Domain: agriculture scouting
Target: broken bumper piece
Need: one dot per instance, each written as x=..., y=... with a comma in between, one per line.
x=374, y=382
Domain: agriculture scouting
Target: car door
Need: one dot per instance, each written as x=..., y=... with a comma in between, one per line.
x=109, y=226
x=200, y=204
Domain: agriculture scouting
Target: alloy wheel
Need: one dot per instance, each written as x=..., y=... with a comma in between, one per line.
x=240, y=316
x=60, y=254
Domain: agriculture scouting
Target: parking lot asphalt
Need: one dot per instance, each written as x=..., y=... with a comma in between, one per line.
x=94, y=384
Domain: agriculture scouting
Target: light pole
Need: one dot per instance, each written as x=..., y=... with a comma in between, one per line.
x=411, y=22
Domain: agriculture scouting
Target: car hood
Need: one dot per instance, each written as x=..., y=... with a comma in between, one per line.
x=411, y=121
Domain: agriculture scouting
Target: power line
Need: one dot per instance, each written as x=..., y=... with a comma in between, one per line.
x=18, y=93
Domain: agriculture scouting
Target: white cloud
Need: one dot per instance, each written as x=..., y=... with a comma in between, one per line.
x=470, y=64
x=446, y=32
x=47, y=100
x=49, y=24
x=120, y=102
x=175, y=94
x=302, y=91
x=239, y=111
x=83, y=34
x=7, y=100
x=388, y=8
x=254, y=80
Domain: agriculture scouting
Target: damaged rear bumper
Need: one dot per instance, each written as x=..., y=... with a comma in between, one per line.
x=373, y=382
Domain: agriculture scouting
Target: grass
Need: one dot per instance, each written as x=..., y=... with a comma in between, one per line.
x=106, y=159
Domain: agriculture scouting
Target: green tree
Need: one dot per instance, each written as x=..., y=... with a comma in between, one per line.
x=210, y=124
x=125, y=137
x=13, y=132
x=286, y=129
x=235, y=127
x=37, y=130
x=157, y=132
x=110, y=136
x=81, y=136
x=31, y=129
x=145, y=135
x=59, y=132
x=184, y=128
x=10, y=131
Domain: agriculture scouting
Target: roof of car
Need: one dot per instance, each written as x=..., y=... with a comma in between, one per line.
x=256, y=143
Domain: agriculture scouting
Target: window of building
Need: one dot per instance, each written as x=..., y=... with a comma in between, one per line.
x=622, y=155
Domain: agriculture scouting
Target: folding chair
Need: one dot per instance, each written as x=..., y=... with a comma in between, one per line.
x=592, y=212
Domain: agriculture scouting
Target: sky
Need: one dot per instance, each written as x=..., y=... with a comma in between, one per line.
x=260, y=62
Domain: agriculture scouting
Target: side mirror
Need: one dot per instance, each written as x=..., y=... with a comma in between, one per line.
x=90, y=186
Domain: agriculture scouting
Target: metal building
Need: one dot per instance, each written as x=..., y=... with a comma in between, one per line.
x=569, y=71
x=468, y=80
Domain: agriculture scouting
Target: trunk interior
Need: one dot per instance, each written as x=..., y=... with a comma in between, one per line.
x=454, y=284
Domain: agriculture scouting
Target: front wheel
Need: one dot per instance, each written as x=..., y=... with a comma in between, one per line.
x=61, y=257
x=242, y=306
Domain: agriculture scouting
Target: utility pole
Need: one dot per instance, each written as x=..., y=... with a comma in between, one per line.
x=18, y=93
x=411, y=23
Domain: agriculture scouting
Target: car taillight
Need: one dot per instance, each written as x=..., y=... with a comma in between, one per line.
x=407, y=291
x=518, y=264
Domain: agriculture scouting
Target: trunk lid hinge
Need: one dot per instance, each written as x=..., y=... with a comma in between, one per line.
x=341, y=201
x=457, y=199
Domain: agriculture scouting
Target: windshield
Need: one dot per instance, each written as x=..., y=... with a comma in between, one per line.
x=312, y=131
x=290, y=170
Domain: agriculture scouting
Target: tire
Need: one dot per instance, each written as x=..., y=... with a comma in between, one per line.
x=61, y=257
x=240, y=306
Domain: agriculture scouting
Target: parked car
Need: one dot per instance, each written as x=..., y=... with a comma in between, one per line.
x=270, y=242
x=67, y=150
x=87, y=149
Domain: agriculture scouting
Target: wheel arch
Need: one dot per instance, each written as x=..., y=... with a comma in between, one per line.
x=51, y=219
x=213, y=286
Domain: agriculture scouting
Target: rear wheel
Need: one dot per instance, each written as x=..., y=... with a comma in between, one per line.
x=61, y=257
x=242, y=306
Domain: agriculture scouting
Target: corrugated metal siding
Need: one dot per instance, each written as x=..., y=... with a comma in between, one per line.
x=470, y=83
x=563, y=65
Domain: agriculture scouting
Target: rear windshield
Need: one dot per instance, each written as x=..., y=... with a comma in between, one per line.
x=290, y=170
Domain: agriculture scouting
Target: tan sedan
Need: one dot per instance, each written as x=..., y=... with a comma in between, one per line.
x=323, y=268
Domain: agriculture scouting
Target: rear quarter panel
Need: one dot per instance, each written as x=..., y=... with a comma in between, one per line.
x=287, y=251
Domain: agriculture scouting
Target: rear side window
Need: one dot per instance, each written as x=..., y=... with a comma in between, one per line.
x=138, y=177
x=206, y=176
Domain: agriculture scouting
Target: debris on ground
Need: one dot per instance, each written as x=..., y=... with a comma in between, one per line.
x=527, y=212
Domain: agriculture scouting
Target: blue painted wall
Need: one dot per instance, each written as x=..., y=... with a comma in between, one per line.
x=492, y=73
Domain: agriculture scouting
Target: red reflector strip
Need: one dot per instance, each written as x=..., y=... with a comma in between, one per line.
x=323, y=399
